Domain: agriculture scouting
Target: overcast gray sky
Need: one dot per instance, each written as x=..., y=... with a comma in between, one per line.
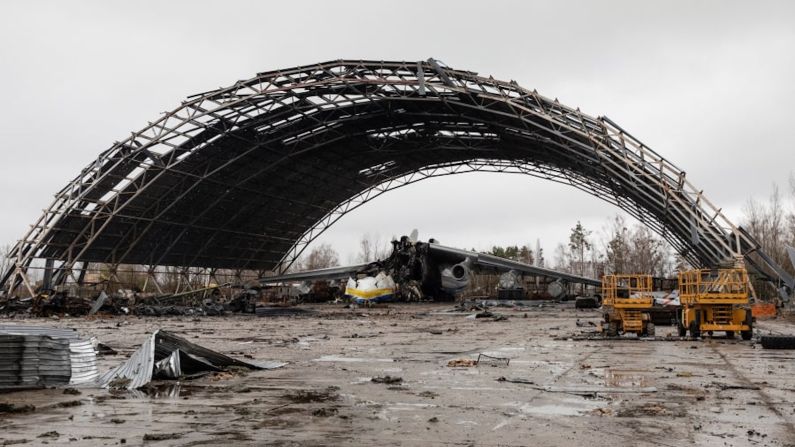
x=708, y=84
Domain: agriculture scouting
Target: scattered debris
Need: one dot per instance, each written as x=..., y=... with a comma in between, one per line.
x=310, y=396
x=325, y=412
x=650, y=409
x=100, y=301
x=389, y=380
x=282, y=311
x=73, y=301
x=15, y=441
x=50, y=434
x=103, y=349
x=579, y=390
x=724, y=387
x=69, y=403
x=492, y=361
x=462, y=363
x=488, y=314
x=482, y=358
x=161, y=436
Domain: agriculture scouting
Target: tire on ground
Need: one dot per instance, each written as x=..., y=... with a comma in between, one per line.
x=695, y=327
x=778, y=342
x=586, y=302
x=749, y=320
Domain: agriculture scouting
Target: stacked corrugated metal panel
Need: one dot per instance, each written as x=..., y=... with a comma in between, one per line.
x=33, y=356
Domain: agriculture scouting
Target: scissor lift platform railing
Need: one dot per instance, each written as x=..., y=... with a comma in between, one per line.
x=625, y=299
x=715, y=300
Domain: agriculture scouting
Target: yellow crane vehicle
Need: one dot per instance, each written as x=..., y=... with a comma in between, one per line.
x=715, y=300
x=626, y=300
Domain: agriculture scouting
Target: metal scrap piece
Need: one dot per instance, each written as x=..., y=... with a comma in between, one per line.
x=165, y=355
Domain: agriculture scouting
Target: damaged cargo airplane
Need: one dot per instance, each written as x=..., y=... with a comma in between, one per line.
x=421, y=270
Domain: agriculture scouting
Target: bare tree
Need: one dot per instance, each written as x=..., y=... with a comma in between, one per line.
x=322, y=256
x=371, y=248
x=636, y=249
x=773, y=226
x=768, y=223
x=562, y=258
x=646, y=254
x=617, y=248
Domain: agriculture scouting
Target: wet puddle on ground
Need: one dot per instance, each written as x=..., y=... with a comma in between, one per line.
x=336, y=358
x=563, y=406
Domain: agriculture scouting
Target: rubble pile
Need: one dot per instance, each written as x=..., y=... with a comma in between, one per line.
x=203, y=302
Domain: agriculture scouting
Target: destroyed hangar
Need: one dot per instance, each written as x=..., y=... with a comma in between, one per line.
x=244, y=177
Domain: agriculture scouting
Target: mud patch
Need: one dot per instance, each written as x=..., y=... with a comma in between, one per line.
x=653, y=409
x=311, y=396
x=13, y=408
x=161, y=436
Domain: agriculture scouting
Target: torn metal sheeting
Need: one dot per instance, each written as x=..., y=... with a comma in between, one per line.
x=485, y=359
x=83, y=359
x=166, y=356
x=98, y=303
x=179, y=364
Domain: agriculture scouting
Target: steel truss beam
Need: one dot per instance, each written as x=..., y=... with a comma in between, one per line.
x=245, y=177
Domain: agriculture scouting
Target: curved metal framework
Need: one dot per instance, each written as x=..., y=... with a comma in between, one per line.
x=245, y=177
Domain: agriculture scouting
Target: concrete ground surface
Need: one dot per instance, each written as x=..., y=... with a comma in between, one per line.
x=559, y=387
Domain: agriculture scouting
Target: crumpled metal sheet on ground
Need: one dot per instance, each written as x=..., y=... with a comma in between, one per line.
x=165, y=355
x=35, y=356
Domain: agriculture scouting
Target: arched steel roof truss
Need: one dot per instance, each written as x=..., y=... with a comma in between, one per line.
x=245, y=177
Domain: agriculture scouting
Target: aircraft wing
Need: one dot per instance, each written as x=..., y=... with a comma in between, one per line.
x=484, y=261
x=342, y=272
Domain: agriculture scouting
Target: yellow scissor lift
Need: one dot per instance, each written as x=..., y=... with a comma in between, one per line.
x=625, y=299
x=715, y=300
